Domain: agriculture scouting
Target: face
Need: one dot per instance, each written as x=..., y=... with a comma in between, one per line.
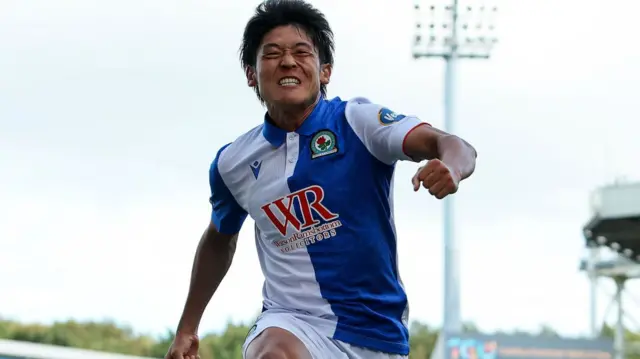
x=288, y=71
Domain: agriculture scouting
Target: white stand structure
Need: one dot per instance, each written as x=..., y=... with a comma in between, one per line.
x=614, y=223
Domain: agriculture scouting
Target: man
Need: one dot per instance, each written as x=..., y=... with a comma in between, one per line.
x=316, y=177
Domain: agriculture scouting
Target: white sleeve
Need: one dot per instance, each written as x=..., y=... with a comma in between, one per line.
x=381, y=130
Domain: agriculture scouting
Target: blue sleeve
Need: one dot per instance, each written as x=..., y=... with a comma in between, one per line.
x=227, y=215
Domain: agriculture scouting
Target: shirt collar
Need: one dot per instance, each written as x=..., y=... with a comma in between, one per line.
x=276, y=136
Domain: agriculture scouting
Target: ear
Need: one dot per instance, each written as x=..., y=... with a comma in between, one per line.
x=252, y=80
x=325, y=74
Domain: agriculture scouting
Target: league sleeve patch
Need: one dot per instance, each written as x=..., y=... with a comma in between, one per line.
x=387, y=117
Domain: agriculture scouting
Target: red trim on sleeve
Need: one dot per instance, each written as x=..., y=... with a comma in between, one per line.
x=407, y=135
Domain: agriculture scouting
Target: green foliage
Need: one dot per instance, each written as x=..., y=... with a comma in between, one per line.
x=108, y=336
x=631, y=337
x=422, y=340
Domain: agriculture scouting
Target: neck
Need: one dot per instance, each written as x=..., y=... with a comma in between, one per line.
x=290, y=118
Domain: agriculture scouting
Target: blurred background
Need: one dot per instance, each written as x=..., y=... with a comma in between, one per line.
x=112, y=111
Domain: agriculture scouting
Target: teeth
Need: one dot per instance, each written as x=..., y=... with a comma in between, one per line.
x=289, y=81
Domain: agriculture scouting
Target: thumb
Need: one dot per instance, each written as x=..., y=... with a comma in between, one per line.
x=194, y=344
x=183, y=345
x=175, y=353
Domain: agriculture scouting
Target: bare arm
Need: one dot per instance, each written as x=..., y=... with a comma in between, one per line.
x=210, y=265
x=426, y=142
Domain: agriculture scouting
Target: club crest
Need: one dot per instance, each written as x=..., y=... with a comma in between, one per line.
x=323, y=143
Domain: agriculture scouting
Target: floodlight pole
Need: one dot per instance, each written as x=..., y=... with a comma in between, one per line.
x=451, y=50
x=593, y=290
x=618, y=338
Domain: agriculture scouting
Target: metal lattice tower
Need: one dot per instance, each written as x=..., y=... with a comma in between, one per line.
x=614, y=224
x=453, y=30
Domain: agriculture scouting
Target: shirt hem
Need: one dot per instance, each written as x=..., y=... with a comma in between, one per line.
x=401, y=348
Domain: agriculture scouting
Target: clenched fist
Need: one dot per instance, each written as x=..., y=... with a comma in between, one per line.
x=184, y=346
x=438, y=178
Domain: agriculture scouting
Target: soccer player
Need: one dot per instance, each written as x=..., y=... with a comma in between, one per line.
x=316, y=177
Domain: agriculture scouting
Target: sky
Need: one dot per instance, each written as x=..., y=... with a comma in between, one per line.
x=112, y=111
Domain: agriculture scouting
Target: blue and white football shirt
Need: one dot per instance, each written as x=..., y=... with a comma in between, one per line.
x=322, y=201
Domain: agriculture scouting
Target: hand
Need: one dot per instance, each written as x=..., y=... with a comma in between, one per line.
x=184, y=346
x=438, y=178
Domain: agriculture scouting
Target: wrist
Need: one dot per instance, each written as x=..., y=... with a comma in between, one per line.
x=187, y=327
x=187, y=331
x=457, y=174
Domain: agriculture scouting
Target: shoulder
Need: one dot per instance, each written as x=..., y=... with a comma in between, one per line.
x=359, y=103
x=229, y=155
x=334, y=108
x=230, y=167
x=337, y=104
x=353, y=108
x=361, y=110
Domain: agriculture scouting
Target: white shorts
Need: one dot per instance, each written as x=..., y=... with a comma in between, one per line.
x=320, y=346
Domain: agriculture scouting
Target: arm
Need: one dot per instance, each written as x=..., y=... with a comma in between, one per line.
x=212, y=261
x=427, y=143
x=216, y=248
x=392, y=137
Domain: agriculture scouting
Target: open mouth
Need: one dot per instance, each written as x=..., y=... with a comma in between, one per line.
x=289, y=81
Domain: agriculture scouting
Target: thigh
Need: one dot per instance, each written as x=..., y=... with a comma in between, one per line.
x=277, y=343
x=283, y=336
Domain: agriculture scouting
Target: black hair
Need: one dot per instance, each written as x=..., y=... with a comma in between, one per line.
x=274, y=13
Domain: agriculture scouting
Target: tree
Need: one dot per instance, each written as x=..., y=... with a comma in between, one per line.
x=547, y=331
x=630, y=337
x=422, y=340
x=111, y=337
